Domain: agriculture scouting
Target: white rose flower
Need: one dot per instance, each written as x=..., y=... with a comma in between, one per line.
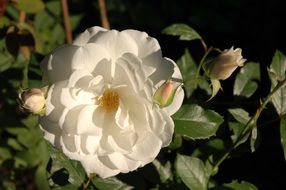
x=99, y=107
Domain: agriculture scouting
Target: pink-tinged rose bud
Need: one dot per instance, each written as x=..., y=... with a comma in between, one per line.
x=165, y=94
x=33, y=100
x=225, y=64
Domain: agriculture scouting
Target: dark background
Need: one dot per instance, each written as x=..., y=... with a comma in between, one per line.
x=256, y=26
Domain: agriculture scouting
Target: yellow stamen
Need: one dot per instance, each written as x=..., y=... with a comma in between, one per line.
x=109, y=101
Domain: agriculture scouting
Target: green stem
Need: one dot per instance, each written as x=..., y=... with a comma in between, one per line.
x=85, y=185
x=202, y=61
x=25, y=80
x=251, y=123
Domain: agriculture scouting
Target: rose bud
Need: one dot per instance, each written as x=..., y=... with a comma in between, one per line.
x=165, y=93
x=33, y=100
x=224, y=65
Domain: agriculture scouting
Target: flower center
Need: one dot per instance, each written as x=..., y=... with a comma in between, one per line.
x=109, y=100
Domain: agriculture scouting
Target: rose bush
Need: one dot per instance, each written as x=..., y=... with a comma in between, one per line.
x=100, y=109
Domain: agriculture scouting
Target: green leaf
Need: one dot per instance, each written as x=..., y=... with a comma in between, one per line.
x=6, y=59
x=164, y=171
x=110, y=183
x=14, y=144
x=215, y=87
x=277, y=73
x=4, y=21
x=243, y=118
x=176, y=142
x=255, y=139
x=243, y=185
x=74, y=168
x=278, y=65
x=195, y=122
x=192, y=172
x=237, y=129
x=41, y=178
x=184, y=32
x=4, y=154
x=25, y=136
x=30, y=6
x=283, y=135
x=188, y=68
x=31, y=121
x=246, y=80
x=67, y=187
x=240, y=115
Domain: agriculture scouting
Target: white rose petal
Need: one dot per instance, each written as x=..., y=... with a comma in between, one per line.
x=100, y=108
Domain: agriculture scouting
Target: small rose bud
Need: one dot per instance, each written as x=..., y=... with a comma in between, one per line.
x=224, y=65
x=165, y=93
x=33, y=100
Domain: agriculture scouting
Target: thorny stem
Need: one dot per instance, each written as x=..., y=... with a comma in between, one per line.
x=251, y=123
x=103, y=14
x=67, y=23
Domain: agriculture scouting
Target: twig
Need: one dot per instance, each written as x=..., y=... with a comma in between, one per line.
x=22, y=16
x=204, y=45
x=251, y=123
x=85, y=185
x=67, y=24
x=103, y=14
x=202, y=61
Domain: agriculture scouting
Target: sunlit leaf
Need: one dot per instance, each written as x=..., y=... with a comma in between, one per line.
x=74, y=168
x=184, y=32
x=195, y=122
x=30, y=6
x=192, y=172
x=14, y=144
x=25, y=136
x=216, y=86
x=235, y=185
x=110, y=183
x=277, y=73
x=255, y=139
x=41, y=178
x=246, y=80
x=240, y=115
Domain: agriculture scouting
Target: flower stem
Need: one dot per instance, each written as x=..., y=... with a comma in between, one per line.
x=202, y=61
x=67, y=23
x=85, y=185
x=204, y=45
x=251, y=123
x=103, y=14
